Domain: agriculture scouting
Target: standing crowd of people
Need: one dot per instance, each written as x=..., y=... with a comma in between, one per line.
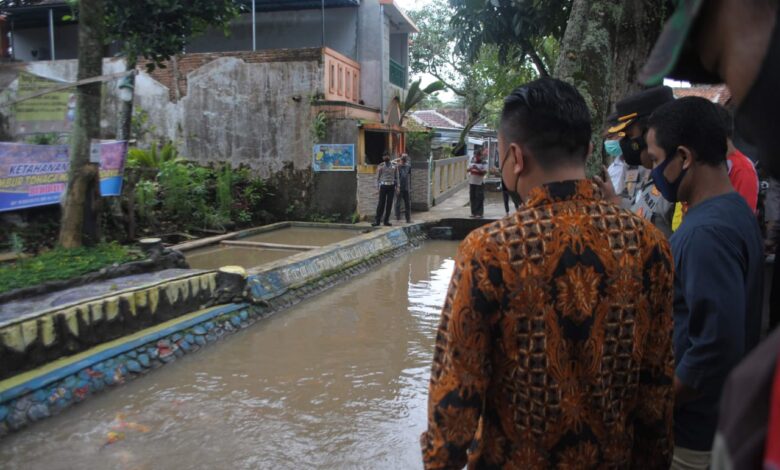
x=618, y=322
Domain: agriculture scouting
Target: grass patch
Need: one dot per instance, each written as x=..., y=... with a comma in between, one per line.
x=61, y=264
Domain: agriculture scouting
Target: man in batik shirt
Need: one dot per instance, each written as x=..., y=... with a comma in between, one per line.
x=555, y=342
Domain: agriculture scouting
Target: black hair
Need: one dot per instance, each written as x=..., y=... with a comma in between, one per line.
x=692, y=122
x=550, y=119
x=728, y=120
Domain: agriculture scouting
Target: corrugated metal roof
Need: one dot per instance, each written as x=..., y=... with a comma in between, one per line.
x=19, y=6
x=282, y=5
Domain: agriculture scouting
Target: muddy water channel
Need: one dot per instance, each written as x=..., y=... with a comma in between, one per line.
x=338, y=382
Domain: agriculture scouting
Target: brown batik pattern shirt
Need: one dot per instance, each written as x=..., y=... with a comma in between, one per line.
x=555, y=343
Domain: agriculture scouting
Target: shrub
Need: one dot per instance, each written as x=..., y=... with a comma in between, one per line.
x=61, y=263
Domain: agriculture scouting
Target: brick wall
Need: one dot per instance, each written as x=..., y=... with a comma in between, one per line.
x=421, y=187
x=368, y=197
x=176, y=73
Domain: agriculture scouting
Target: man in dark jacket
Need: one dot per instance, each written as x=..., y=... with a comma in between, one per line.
x=404, y=186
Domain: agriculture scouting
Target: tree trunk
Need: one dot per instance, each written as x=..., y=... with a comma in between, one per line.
x=639, y=26
x=605, y=45
x=78, y=212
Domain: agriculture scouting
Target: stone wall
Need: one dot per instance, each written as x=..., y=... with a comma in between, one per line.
x=333, y=192
x=421, y=185
x=367, y=195
x=30, y=341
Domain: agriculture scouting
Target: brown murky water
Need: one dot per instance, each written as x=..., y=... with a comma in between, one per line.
x=304, y=236
x=214, y=257
x=338, y=382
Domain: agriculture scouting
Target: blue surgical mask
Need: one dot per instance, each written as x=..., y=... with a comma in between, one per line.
x=667, y=189
x=612, y=147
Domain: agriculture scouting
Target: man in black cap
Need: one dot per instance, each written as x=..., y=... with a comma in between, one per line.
x=632, y=114
x=736, y=42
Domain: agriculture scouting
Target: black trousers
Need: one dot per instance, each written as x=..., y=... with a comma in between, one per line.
x=385, y=206
x=407, y=206
x=477, y=199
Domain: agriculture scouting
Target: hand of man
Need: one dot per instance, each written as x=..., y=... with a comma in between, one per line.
x=604, y=182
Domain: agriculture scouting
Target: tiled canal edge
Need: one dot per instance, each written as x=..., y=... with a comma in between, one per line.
x=43, y=392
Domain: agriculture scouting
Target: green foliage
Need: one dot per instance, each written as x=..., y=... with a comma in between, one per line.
x=157, y=29
x=49, y=138
x=478, y=77
x=183, y=187
x=418, y=144
x=139, y=124
x=146, y=199
x=17, y=244
x=153, y=157
x=324, y=219
x=225, y=190
x=61, y=263
x=415, y=95
x=319, y=127
x=516, y=28
x=182, y=196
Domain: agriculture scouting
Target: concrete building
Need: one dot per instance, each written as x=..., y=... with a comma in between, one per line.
x=262, y=96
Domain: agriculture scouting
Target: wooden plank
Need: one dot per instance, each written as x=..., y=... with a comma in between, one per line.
x=275, y=246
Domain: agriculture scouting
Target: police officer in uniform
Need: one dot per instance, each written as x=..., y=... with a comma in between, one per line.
x=640, y=194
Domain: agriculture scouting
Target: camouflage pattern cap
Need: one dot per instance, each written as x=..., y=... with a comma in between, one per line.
x=674, y=55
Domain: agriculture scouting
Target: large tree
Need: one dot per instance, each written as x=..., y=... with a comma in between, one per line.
x=519, y=29
x=478, y=77
x=152, y=29
x=79, y=212
x=603, y=43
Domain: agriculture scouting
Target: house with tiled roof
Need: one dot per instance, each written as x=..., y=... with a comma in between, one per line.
x=448, y=124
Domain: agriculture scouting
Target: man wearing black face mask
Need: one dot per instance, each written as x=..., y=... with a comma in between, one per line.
x=718, y=254
x=554, y=346
x=736, y=42
x=632, y=115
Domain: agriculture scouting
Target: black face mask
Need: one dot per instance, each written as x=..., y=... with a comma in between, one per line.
x=513, y=195
x=756, y=118
x=632, y=150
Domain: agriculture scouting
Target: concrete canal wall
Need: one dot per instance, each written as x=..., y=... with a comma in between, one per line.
x=37, y=394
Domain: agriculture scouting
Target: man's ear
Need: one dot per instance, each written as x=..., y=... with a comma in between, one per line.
x=517, y=152
x=686, y=156
x=590, y=151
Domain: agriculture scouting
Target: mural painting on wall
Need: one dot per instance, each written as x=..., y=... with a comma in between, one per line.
x=334, y=157
x=35, y=175
x=52, y=112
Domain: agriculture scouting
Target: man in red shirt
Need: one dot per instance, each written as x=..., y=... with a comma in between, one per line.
x=742, y=173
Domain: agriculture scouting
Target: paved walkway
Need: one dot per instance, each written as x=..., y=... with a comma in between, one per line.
x=457, y=206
